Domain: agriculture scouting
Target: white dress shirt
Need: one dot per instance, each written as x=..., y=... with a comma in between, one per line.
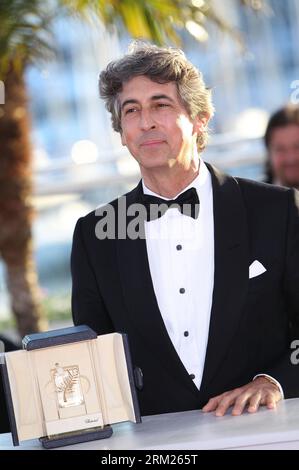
x=181, y=259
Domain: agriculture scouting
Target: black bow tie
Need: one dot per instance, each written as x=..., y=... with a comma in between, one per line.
x=187, y=203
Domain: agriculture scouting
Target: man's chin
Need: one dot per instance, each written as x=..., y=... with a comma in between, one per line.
x=154, y=162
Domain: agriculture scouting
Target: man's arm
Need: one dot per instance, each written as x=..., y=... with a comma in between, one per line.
x=285, y=372
x=87, y=304
x=261, y=391
x=291, y=277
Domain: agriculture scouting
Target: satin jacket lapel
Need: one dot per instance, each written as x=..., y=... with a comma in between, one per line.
x=231, y=269
x=141, y=302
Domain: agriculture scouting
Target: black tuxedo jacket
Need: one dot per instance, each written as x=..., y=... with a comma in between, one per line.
x=253, y=321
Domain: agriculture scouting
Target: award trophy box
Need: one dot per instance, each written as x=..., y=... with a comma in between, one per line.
x=68, y=386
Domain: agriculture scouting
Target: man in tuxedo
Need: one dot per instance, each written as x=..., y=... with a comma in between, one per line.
x=204, y=279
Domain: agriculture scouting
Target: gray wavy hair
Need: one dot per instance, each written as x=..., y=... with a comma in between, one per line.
x=162, y=65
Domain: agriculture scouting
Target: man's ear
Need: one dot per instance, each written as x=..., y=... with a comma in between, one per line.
x=200, y=123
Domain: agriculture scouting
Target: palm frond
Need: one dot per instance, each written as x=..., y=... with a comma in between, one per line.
x=26, y=36
x=25, y=33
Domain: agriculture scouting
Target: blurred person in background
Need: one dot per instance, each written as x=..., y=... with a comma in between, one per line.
x=282, y=143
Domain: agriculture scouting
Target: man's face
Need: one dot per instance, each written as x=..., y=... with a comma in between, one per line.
x=156, y=127
x=284, y=155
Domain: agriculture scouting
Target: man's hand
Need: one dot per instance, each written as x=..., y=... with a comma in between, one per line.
x=258, y=392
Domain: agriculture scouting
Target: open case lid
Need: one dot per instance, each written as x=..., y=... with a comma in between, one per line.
x=102, y=385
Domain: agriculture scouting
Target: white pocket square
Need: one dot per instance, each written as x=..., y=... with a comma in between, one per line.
x=256, y=269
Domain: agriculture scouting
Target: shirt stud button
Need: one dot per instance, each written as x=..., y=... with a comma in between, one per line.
x=182, y=290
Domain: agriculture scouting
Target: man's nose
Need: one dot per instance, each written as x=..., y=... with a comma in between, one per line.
x=146, y=120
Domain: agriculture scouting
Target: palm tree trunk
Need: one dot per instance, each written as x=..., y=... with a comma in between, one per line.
x=16, y=211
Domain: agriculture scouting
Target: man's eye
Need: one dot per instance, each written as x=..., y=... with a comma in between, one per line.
x=162, y=105
x=130, y=110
